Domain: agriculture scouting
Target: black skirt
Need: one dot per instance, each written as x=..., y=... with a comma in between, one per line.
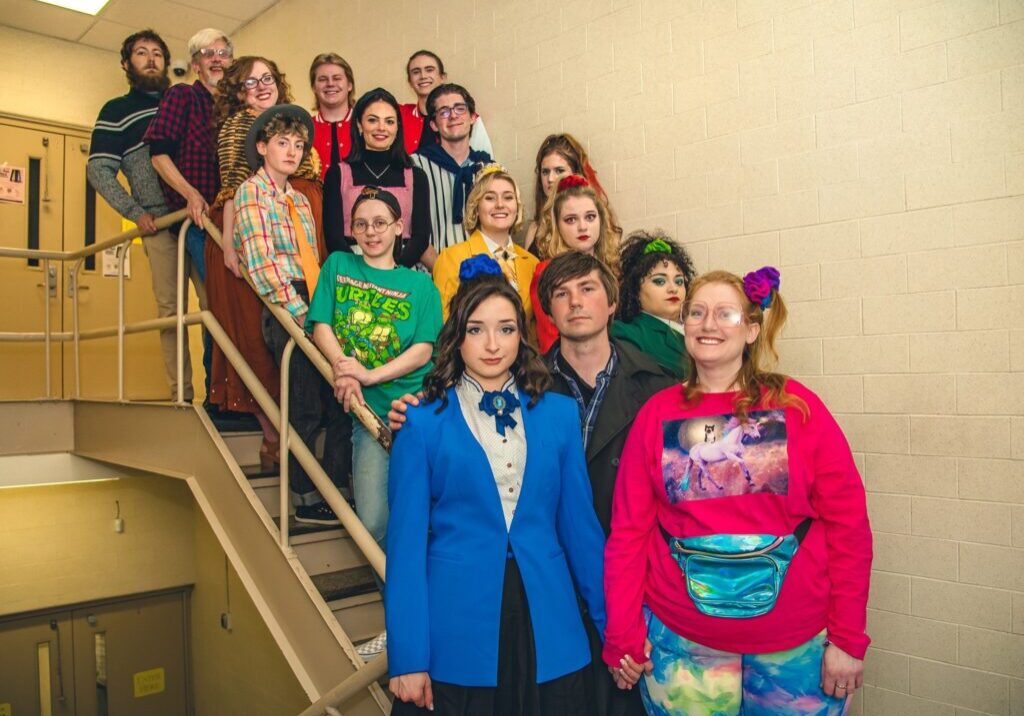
x=517, y=692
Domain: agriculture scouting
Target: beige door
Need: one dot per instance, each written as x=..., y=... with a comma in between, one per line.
x=130, y=658
x=36, y=669
x=97, y=295
x=25, y=291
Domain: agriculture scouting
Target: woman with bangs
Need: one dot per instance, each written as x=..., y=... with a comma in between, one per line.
x=738, y=564
x=582, y=222
x=494, y=211
x=249, y=87
x=492, y=532
x=559, y=156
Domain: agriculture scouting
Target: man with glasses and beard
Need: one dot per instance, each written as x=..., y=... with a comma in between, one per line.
x=184, y=153
x=117, y=146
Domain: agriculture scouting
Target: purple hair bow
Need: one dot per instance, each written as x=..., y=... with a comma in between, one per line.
x=758, y=285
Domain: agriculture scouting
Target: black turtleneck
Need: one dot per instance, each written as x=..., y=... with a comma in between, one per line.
x=387, y=173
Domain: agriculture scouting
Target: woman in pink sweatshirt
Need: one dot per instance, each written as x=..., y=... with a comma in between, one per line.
x=736, y=574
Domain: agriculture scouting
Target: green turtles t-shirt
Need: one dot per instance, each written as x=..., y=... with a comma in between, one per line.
x=376, y=315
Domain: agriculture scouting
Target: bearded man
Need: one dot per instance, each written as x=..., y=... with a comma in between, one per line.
x=117, y=146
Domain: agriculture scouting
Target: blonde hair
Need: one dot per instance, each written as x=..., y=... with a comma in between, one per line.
x=205, y=38
x=484, y=178
x=549, y=238
x=759, y=357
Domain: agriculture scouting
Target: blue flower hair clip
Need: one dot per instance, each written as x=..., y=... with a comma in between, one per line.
x=477, y=266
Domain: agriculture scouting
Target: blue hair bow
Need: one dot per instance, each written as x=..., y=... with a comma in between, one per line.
x=479, y=265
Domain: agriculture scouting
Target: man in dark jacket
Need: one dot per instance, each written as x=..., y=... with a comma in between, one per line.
x=610, y=381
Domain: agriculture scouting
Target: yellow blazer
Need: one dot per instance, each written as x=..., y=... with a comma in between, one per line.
x=446, y=270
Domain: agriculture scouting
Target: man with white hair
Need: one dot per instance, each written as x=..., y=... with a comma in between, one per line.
x=183, y=147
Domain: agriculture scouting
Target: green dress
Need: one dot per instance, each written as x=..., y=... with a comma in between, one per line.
x=657, y=339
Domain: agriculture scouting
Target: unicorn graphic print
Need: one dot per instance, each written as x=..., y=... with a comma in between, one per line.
x=719, y=456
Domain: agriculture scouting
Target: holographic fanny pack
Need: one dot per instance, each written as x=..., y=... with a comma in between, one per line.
x=735, y=576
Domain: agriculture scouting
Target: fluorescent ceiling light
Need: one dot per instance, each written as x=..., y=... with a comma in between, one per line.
x=89, y=7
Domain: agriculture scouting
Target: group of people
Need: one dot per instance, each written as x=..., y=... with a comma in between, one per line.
x=670, y=512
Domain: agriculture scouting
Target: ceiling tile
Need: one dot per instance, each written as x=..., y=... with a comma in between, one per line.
x=44, y=19
x=241, y=10
x=107, y=35
x=167, y=18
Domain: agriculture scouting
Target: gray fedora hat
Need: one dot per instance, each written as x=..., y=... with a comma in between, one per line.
x=289, y=110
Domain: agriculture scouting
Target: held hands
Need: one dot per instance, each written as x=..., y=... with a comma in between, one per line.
x=347, y=366
x=630, y=672
x=841, y=674
x=414, y=688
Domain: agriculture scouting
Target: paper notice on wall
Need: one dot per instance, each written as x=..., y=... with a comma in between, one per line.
x=149, y=682
x=110, y=258
x=12, y=191
x=5, y=710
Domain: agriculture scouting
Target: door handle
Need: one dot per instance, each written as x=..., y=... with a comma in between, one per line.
x=54, y=626
x=71, y=284
x=51, y=281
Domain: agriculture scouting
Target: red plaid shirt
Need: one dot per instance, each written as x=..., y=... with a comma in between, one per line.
x=182, y=130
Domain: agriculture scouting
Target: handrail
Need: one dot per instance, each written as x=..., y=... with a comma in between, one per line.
x=161, y=223
x=366, y=674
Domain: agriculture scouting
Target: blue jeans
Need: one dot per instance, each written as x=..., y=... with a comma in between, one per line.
x=370, y=482
x=195, y=245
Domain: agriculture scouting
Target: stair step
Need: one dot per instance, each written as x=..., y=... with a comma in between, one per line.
x=345, y=583
x=361, y=616
x=326, y=551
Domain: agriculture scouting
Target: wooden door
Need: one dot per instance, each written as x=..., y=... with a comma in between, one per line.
x=37, y=675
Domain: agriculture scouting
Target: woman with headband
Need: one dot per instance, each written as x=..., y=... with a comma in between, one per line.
x=494, y=211
x=656, y=272
x=738, y=564
x=581, y=222
x=559, y=156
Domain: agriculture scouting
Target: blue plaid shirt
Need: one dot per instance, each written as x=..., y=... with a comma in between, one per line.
x=588, y=411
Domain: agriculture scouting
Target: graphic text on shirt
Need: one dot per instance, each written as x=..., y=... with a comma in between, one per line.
x=364, y=320
x=718, y=456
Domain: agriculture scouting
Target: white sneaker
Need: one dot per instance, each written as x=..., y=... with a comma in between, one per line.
x=372, y=648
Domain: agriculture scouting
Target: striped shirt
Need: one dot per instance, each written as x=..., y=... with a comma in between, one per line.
x=265, y=238
x=444, y=231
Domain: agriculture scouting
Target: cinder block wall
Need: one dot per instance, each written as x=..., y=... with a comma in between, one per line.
x=874, y=151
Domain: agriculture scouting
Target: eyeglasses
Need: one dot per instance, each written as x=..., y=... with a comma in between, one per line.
x=361, y=226
x=725, y=315
x=253, y=82
x=456, y=110
x=223, y=53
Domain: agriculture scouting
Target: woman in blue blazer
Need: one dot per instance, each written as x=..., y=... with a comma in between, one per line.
x=492, y=529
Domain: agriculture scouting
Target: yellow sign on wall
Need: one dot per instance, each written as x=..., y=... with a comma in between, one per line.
x=149, y=682
x=5, y=710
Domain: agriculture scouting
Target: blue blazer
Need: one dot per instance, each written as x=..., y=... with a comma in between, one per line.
x=447, y=544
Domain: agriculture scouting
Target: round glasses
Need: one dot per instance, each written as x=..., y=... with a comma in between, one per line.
x=223, y=53
x=361, y=226
x=456, y=110
x=253, y=82
x=696, y=313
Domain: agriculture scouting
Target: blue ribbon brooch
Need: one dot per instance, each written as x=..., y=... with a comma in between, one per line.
x=500, y=404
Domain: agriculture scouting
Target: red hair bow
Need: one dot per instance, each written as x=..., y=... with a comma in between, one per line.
x=572, y=181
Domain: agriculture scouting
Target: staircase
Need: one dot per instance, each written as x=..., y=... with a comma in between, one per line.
x=338, y=570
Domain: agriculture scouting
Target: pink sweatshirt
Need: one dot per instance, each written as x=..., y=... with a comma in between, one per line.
x=687, y=470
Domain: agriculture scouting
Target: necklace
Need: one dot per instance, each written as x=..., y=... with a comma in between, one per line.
x=376, y=175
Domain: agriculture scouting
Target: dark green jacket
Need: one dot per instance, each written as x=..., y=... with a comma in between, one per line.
x=657, y=339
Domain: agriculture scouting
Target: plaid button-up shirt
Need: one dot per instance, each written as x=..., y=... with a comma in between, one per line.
x=266, y=240
x=588, y=411
x=182, y=130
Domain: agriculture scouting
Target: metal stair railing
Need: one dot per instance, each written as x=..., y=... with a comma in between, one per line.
x=365, y=674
